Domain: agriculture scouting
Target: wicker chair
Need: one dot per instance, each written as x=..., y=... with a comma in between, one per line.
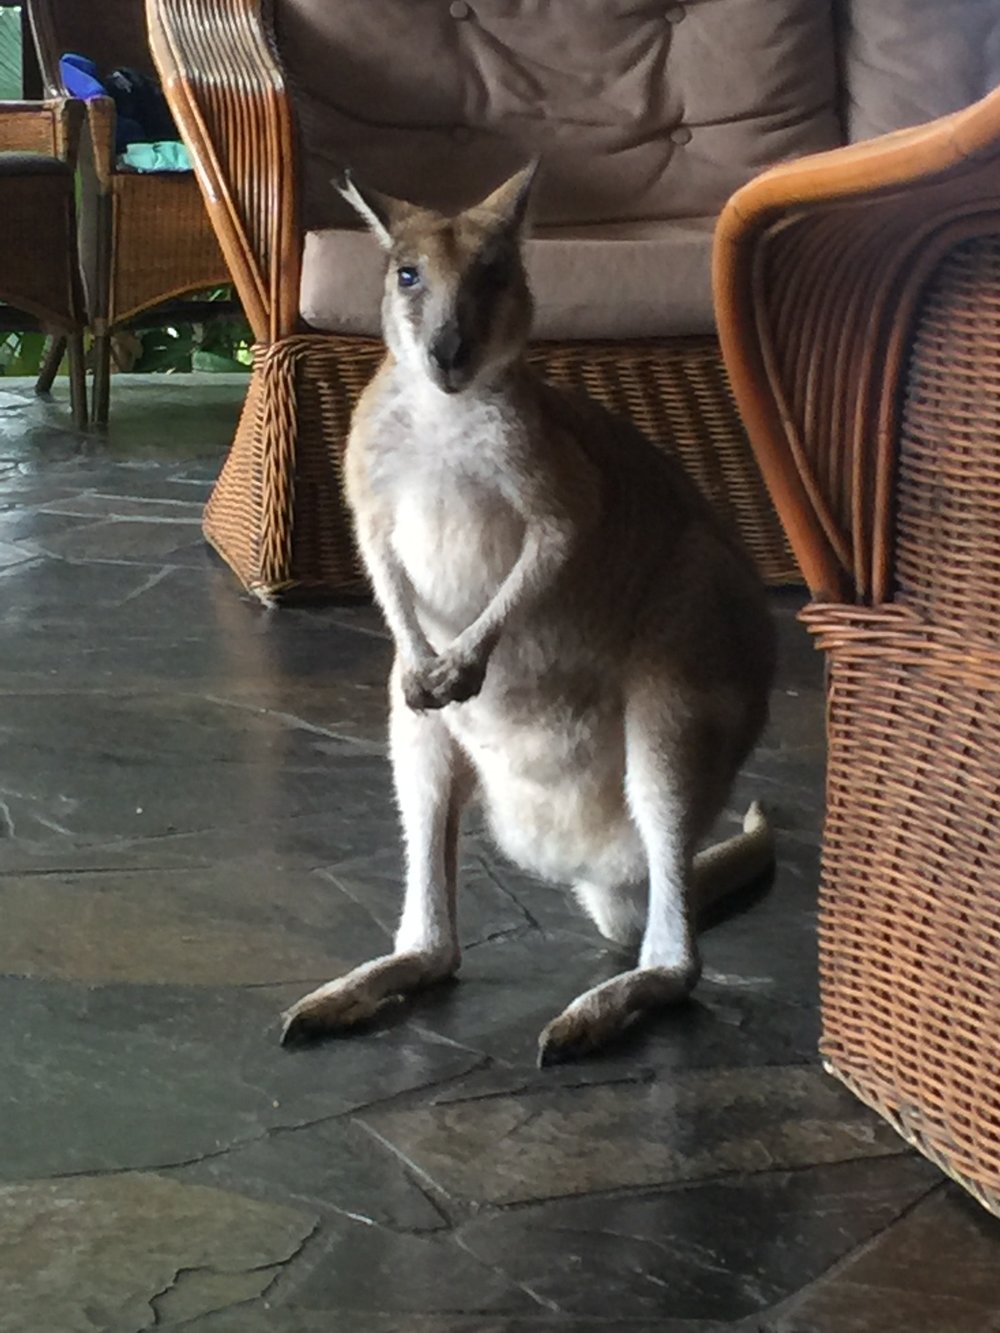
x=145, y=239
x=39, y=273
x=859, y=310
x=276, y=514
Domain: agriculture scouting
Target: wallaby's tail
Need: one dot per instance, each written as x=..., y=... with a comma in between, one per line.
x=735, y=863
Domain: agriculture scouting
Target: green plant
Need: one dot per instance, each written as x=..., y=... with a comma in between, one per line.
x=21, y=353
x=212, y=345
x=10, y=53
x=215, y=345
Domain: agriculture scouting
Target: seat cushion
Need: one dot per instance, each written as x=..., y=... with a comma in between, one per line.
x=620, y=280
x=640, y=109
x=31, y=164
x=909, y=61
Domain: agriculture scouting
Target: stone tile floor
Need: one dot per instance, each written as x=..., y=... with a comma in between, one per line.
x=196, y=825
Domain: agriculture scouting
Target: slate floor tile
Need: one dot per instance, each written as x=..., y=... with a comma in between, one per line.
x=936, y=1271
x=114, y=1077
x=333, y=1169
x=666, y=1255
x=123, y=1252
x=692, y=1126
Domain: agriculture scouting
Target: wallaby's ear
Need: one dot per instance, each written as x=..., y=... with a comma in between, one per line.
x=510, y=200
x=380, y=211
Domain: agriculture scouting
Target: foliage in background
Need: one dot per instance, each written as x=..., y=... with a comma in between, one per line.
x=21, y=353
x=10, y=54
x=215, y=345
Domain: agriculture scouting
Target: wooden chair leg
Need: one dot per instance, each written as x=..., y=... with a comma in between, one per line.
x=51, y=363
x=77, y=381
x=102, y=378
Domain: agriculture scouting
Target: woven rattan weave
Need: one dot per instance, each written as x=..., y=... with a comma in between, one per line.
x=893, y=502
x=911, y=898
x=277, y=513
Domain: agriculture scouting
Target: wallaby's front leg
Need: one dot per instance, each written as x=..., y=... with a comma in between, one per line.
x=658, y=796
x=394, y=594
x=458, y=672
x=432, y=784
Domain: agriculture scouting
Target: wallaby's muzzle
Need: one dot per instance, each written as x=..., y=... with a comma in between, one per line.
x=450, y=355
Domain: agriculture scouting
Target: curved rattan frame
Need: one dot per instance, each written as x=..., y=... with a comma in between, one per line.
x=818, y=266
x=226, y=87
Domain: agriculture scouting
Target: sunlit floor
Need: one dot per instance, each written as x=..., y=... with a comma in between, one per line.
x=197, y=825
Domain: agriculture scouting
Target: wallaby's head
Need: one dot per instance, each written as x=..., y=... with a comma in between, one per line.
x=457, y=307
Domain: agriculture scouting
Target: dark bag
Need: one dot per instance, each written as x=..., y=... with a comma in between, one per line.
x=143, y=114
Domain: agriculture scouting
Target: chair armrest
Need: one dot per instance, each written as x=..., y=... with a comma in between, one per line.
x=224, y=84
x=102, y=117
x=100, y=111
x=818, y=269
x=51, y=127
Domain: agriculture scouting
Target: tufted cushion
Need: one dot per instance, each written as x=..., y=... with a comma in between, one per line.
x=908, y=61
x=624, y=280
x=642, y=109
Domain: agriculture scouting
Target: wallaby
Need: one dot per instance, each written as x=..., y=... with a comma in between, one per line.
x=579, y=642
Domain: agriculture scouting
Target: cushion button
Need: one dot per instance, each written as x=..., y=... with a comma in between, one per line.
x=458, y=9
x=675, y=13
x=680, y=135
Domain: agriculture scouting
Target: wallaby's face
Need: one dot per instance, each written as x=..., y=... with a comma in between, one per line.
x=456, y=308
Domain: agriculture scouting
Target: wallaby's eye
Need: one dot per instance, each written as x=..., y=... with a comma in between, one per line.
x=408, y=276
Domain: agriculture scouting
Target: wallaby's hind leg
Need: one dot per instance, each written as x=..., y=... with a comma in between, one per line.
x=433, y=783
x=618, y=912
x=658, y=794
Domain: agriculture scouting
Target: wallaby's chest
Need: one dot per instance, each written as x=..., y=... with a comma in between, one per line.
x=457, y=539
x=443, y=476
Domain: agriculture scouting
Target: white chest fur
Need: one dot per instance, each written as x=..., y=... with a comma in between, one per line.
x=454, y=532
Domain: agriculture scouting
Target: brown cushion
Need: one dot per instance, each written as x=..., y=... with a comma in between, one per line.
x=642, y=109
x=909, y=61
x=625, y=280
x=31, y=164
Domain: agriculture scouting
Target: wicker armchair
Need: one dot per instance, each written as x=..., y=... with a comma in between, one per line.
x=39, y=273
x=859, y=310
x=234, y=85
x=145, y=239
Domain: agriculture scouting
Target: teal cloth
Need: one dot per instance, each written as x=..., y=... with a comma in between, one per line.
x=165, y=156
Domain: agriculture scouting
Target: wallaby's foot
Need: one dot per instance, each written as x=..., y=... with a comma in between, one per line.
x=450, y=678
x=352, y=999
x=599, y=1015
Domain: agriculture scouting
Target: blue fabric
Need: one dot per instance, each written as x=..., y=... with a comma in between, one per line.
x=79, y=76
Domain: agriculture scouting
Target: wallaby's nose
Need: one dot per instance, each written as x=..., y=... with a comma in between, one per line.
x=449, y=351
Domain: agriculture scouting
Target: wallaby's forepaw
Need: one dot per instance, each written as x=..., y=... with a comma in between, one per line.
x=600, y=1015
x=450, y=678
